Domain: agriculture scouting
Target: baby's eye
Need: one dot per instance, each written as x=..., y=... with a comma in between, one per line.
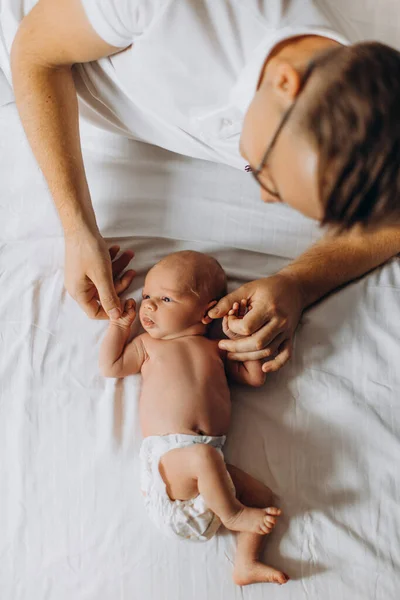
x=166, y=299
x=145, y=296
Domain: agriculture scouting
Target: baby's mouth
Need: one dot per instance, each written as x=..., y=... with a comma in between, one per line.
x=146, y=322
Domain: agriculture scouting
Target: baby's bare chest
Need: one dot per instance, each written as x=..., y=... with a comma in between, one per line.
x=184, y=388
x=182, y=364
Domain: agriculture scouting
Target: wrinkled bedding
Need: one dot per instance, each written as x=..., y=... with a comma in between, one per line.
x=324, y=432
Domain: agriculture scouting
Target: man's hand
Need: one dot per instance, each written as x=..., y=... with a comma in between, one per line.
x=91, y=277
x=272, y=308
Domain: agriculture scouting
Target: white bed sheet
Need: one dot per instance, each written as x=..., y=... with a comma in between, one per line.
x=324, y=433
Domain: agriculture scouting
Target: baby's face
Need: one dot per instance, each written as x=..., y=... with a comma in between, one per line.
x=169, y=307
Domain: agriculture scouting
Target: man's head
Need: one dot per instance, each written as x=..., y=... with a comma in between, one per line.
x=337, y=158
x=178, y=292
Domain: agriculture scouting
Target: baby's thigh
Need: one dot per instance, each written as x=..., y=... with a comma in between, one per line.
x=177, y=470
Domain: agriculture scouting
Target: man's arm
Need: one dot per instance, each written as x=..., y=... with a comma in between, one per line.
x=55, y=35
x=51, y=38
x=335, y=261
x=277, y=302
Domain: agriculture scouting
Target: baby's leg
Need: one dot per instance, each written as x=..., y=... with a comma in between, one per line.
x=248, y=568
x=201, y=469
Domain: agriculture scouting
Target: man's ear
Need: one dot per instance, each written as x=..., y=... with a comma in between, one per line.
x=206, y=320
x=286, y=81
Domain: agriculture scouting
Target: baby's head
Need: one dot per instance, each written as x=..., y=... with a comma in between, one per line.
x=178, y=292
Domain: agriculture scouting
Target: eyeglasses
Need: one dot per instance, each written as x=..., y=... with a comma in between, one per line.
x=257, y=173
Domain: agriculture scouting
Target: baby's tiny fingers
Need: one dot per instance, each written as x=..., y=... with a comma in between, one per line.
x=234, y=309
x=130, y=303
x=272, y=510
x=243, y=307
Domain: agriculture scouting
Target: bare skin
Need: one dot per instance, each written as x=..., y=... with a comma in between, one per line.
x=185, y=390
x=54, y=36
x=248, y=568
x=277, y=302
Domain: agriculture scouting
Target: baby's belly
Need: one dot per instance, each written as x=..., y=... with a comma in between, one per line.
x=191, y=413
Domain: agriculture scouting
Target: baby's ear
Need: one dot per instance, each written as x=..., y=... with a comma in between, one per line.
x=206, y=320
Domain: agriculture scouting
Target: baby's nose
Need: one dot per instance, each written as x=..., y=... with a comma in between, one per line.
x=150, y=305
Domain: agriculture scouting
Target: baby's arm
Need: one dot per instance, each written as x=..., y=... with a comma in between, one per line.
x=117, y=358
x=248, y=372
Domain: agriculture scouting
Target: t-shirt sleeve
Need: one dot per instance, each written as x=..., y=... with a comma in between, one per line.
x=119, y=22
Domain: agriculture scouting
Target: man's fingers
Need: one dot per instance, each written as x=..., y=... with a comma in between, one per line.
x=225, y=304
x=113, y=250
x=275, y=346
x=88, y=300
x=122, y=284
x=93, y=309
x=258, y=341
x=108, y=296
x=258, y=354
x=242, y=356
x=281, y=359
x=122, y=262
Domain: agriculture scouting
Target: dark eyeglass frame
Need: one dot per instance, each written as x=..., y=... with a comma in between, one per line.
x=256, y=172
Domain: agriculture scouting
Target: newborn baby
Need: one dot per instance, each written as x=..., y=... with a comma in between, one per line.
x=185, y=410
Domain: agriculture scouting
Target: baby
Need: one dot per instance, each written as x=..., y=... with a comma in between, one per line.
x=185, y=410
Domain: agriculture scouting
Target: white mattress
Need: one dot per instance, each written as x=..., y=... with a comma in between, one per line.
x=324, y=432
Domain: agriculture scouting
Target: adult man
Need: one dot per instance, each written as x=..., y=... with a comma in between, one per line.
x=320, y=131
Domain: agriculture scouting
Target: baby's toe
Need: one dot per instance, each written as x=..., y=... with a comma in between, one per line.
x=272, y=510
x=281, y=578
x=265, y=528
x=270, y=521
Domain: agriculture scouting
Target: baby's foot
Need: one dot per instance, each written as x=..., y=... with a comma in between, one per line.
x=257, y=572
x=253, y=520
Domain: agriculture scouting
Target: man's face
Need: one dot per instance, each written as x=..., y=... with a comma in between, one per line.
x=291, y=169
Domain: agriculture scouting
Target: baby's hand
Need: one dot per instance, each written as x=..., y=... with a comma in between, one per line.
x=128, y=315
x=237, y=311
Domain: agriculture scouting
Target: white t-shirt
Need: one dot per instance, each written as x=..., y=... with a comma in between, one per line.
x=190, y=68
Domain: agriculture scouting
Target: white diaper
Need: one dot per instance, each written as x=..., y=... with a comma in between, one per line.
x=182, y=519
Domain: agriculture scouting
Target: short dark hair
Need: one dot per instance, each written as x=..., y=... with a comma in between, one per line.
x=354, y=122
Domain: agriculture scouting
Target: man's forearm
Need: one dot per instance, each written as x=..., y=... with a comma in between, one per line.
x=335, y=261
x=47, y=104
